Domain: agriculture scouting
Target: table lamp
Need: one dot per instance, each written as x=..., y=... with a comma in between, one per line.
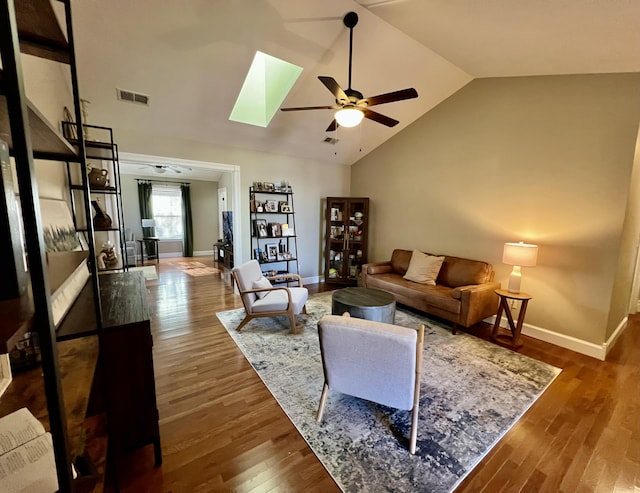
x=148, y=223
x=519, y=255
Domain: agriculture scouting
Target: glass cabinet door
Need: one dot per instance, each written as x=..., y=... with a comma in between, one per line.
x=346, y=238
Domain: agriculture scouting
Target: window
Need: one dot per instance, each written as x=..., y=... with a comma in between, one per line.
x=167, y=211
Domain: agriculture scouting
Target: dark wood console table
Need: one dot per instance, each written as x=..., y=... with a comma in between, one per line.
x=127, y=364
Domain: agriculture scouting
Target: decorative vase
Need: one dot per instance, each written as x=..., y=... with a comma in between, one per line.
x=98, y=178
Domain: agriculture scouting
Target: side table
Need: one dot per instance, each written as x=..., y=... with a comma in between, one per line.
x=147, y=241
x=516, y=328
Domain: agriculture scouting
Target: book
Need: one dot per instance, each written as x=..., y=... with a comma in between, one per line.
x=27, y=462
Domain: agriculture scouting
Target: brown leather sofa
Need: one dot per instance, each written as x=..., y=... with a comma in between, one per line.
x=464, y=292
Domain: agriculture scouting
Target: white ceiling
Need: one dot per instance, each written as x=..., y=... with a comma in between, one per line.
x=191, y=58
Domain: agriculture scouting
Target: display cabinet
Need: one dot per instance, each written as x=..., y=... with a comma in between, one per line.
x=273, y=229
x=347, y=228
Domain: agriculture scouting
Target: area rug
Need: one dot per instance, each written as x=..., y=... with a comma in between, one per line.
x=149, y=272
x=195, y=269
x=472, y=393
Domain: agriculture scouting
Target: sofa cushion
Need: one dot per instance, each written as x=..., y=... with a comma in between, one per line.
x=423, y=268
x=400, y=261
x=414, y=294
x=457, y=271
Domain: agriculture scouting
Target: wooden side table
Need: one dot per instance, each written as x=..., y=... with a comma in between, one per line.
x=505, y=296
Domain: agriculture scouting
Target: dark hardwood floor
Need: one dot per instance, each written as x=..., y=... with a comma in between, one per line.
x=222, y=431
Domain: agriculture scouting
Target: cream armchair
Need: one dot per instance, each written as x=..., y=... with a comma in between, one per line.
x=261, y=299
x=374, y=361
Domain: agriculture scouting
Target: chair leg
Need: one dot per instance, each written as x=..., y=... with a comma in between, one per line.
x=304, y=309
x=414, y=429
x=454, y=329
x=323, y=401
x=292, y=323
x=244, y=322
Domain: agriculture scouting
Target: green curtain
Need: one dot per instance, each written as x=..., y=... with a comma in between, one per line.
x=187, y=227
x=146, y=212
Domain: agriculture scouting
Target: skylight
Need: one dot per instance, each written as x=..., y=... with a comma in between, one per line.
x=267, y=84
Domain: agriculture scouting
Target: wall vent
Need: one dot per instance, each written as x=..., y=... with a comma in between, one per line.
x=330, y=140
x=133, y=97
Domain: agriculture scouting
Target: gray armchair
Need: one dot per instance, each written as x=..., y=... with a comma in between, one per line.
x=131, y=249
x=372, y=360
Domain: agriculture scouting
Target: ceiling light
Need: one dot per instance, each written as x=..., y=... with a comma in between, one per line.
x=159, y=169
x=349, y=117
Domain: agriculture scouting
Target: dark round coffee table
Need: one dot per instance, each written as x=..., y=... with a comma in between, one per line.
x=368, y=303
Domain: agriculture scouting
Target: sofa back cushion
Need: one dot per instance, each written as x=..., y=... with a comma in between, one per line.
x=455, y=271
x=400, y=261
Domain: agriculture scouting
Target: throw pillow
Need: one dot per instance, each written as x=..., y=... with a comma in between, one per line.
x=423, y=268
x=262, y=283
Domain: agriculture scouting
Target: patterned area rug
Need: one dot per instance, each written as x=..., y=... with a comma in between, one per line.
x=472, y=392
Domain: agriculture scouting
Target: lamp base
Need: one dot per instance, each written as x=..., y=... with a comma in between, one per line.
x=515, y=279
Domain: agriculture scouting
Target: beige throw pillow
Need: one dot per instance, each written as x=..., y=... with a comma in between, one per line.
x=423, y=268
x=261, y=283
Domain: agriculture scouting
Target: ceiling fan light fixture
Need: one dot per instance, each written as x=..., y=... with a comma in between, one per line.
x=159, y=169
x=349, y=117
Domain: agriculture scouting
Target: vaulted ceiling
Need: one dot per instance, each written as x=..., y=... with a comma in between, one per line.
x=191, y=58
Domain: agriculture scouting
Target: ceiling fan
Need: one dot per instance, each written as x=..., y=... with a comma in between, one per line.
x=163, y=168
x=352, y=106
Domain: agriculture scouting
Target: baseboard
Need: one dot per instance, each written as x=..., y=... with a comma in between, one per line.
x=171, y=255
x=312, y=280
x=614, y=337
x=568, y=342
x=203, y=253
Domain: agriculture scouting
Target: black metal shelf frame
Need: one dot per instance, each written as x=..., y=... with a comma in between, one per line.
x=30, y=26
x=292, y=264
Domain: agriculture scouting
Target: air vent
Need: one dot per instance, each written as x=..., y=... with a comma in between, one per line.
x=330, y=140
x=132, y=97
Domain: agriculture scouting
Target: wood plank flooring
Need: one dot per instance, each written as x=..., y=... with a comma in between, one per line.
x=222, y=430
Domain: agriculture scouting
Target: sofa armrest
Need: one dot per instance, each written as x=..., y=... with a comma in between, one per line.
x=377, y=268
x=478, y=302
x=374, y=268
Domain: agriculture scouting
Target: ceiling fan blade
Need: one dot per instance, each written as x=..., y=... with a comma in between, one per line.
x=335, y=89
x=391, y=97
x=377, y=117
x=300, y=108
x=333, y=126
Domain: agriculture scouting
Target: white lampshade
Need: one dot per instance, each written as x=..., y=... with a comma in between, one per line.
x=349, y=117
x=519, y=255
x=148, y=223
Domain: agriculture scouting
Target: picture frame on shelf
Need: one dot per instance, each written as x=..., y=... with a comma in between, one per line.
x=285, y=206
x=257, y=254
x=271, y=206
x=260, y=228
x=268, y=187
x=272, y=251
x=257, y=186
x=287, y=230
x=275, y=229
